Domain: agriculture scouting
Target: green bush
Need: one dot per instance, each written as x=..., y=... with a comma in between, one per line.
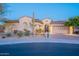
x=20, y=33
x=27, y=33
x=39, y=30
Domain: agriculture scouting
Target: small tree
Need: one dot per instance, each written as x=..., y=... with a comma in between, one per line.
x=76, y=21
x=2, y=8
x=72, y=22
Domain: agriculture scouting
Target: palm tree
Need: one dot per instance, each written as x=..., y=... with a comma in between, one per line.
x=71, y=23
x=33, y=23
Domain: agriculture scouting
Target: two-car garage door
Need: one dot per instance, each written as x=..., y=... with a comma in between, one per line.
x=60, y=30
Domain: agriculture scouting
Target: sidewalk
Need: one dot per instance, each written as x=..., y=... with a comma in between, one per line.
x=37, y=39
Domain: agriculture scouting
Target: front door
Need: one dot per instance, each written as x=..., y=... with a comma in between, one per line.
x=46, y=28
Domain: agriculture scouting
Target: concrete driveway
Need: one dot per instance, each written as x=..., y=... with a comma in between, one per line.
x=55, y=38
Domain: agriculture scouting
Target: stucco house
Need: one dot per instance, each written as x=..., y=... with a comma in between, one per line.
x=26, y=22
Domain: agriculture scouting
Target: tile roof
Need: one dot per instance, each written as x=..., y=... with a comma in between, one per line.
x=58, y=22
x=12, y=21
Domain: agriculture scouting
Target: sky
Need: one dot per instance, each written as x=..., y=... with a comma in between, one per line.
x=55, y=11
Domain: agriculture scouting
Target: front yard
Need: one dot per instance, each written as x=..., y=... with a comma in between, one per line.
x=55, y=38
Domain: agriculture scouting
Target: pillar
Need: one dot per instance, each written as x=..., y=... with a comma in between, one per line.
x=71, y=30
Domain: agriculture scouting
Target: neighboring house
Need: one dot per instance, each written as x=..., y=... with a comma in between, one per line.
x=25, y=22
x=2, y=27
x=10, y=25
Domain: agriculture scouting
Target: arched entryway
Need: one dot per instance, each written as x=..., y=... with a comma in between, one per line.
x=47, y=25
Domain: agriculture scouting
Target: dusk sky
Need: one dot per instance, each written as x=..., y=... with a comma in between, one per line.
x=43, y=10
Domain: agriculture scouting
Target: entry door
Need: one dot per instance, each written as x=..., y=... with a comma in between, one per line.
x=46, y=28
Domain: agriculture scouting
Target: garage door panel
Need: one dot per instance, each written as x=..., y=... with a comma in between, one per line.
x=62, y=30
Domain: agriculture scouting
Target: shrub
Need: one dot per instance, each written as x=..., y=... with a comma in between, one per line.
x=8, y=34
x=3, y=37
x=39, y=30
x=20, y=33
x=27, y=33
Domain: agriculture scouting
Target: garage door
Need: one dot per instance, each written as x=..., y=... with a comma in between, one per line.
x=61, y=30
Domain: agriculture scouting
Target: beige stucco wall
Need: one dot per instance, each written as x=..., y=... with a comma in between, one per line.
x=9, y=27
x=22, y=24
x=53, y=28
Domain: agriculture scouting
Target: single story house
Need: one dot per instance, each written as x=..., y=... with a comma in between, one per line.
x=26, y=22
